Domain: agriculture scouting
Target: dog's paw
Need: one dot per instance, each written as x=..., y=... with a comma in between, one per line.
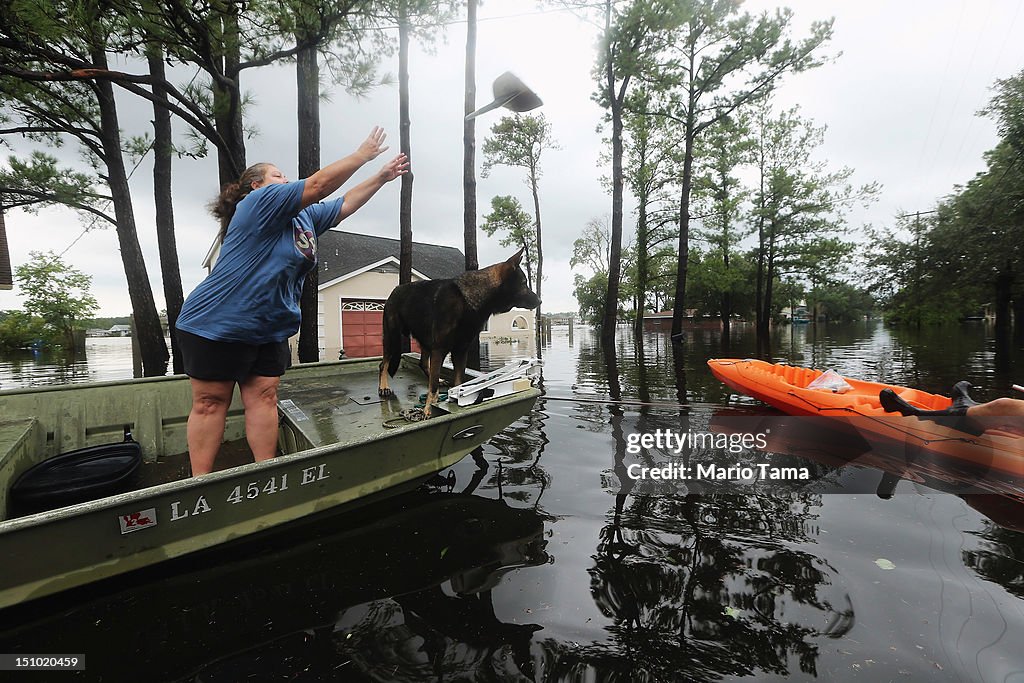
x=385, y=392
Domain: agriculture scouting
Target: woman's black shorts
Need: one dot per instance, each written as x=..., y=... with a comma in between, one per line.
x=219, y=360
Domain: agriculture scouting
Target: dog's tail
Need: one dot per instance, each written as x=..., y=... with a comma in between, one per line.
x=392, y=339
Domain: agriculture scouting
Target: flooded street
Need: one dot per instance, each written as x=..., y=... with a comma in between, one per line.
x=542, y=561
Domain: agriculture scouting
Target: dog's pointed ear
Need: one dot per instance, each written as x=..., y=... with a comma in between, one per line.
x=516, y=258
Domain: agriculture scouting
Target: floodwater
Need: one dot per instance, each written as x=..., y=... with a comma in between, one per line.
x=106, y=358
x=545, y=563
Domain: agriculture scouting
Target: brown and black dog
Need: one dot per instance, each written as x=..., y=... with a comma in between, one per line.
x=445, y=316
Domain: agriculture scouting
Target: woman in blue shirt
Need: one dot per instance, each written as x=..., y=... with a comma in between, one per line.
x=234, y=327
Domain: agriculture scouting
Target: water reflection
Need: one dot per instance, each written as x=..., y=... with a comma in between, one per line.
x=105, y=358
x=319, y=601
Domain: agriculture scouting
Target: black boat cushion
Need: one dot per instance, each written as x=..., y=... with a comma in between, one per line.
x=77, y=476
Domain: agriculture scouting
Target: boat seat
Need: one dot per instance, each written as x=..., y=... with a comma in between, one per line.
x=20, y=442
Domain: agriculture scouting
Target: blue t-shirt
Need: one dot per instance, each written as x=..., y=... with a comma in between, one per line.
x=252, y=294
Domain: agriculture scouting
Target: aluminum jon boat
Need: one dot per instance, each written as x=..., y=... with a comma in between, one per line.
x=339, y=444
x=999, y=452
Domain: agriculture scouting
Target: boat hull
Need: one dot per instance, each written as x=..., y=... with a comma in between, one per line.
x=55, y=550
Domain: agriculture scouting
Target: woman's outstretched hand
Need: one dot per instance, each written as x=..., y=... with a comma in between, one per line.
x=373, y=146
x=398, y=166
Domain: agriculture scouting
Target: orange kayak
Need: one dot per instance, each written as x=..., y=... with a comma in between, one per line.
x=785, y=388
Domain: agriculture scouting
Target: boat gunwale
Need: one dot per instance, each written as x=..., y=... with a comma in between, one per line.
x=79, y=386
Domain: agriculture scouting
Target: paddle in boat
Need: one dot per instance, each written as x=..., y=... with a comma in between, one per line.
x=94, y=477
x=992, y=453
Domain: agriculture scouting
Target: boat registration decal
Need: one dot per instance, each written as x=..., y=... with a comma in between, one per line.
x=136, y=521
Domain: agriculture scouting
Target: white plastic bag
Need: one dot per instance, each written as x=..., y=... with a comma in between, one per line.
x=830, y=380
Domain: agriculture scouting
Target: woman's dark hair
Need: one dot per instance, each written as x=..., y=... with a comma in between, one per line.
x=223, y=207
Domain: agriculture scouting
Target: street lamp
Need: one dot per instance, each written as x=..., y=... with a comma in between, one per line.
x=511, y=93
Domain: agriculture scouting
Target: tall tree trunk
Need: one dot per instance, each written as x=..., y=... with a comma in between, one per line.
x=538, y=317
x=148, y=332
x=404, y=126
x=227, y=101
x=170, y=270
x=726, y=315
x=611, y=302
x=469, y=164
x=307, y=74
x=759, y=333
x=769, y=287
x=469, y=143
x=642, y=266
x=766, y=273
x=679, y=310
x=1004, y=287
x=6, y=274
x=1018, y=316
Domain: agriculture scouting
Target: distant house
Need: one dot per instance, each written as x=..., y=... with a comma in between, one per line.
x=120, y=331
x=662, y=321
x=6, y=274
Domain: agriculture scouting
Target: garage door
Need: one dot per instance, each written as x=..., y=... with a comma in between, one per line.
x=362, y=323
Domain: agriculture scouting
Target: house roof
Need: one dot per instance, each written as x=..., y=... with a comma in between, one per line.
x=6, y=275
x=341, y=253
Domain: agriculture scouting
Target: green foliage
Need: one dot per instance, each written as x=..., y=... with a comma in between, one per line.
x=948, y=263
x=56, y=292
x=590, y=250
x=38, y=181
x=842, y=302
x=710, y=279
x=518, y=140
x=515, y=226
x=20, y=330
x=590, y=293
x=590, y=253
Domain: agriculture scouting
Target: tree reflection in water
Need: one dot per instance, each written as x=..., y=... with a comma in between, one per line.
x=701, y=587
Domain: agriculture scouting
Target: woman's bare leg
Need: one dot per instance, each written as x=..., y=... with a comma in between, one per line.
x=205, y=431
x=259, y=396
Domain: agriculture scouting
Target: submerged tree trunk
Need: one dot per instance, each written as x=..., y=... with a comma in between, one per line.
x=149, y=334
x=679, y=311
x=170, y=270
x=1004, y=287
x=469, y=164
x=469, y=143
x=615, y=100
x=611, y=302
x=1018, y=316
x=538, y=317
x=642, y=266
x=307, y=72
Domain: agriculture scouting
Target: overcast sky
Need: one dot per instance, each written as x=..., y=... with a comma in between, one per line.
x=900, y=104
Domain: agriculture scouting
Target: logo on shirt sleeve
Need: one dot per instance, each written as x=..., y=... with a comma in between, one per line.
x=305, y=242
